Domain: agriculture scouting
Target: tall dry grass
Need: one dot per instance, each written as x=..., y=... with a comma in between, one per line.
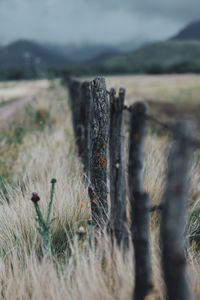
x=76, y=271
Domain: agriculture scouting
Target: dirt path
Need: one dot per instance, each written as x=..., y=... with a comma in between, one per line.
x=9, y=109
x=15, y=95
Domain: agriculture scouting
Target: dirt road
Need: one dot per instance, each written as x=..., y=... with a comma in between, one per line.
x=9, y=109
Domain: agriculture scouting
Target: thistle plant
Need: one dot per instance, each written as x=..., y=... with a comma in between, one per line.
x=44, y=223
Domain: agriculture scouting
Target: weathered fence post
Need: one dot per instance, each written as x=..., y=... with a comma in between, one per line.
x=80, y=98
x=76, y=106
x=99, y=133
x=86, y=115
x=118, y=215
x=74, y=91
x=173, y=222
x=139, y=204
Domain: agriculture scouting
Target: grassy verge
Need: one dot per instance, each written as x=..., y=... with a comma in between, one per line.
x=44, y=149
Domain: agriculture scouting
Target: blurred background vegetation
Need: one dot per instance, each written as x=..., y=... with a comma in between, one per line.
x=25, y=59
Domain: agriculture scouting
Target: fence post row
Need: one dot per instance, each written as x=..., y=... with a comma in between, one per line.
x=95, y=120
x=139, y=202
x=99, y=138
x=173, y=221
x=118, y=214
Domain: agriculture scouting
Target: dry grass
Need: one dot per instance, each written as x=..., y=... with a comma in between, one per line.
x=162, y=88
x=169, y=96
x=87, y=273
x=13, y=90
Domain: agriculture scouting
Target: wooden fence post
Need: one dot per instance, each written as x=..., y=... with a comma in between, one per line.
x=80, y=94
x=118, y=215
x=86, y=115
x=75, y=103
x=173, y=222
x=74, y=91
x=99, y=134
x=139, y=204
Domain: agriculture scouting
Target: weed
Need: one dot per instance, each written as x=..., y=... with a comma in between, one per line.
x=44, y=224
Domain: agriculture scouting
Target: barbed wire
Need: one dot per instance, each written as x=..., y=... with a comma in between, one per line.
x=168, y=127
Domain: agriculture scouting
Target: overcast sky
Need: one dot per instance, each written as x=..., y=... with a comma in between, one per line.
x=107, y=21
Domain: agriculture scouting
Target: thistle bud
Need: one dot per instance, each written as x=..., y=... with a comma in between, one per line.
x=53, y=180
x=35, y=197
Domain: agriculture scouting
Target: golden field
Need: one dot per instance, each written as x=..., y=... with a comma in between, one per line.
x=12, y=90
x=38, y=145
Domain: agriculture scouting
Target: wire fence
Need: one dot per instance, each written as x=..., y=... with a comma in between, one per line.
x=167, y=127
x=98, y=122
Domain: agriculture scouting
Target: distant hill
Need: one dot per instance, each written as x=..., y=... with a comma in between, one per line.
x=27, y=54
x=181, y=54
x=190, y=32
x=156, y=57
x=83, y=53
x=24, y=55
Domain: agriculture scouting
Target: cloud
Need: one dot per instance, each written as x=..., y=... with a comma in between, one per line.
x=182, y=10
x=108, y=21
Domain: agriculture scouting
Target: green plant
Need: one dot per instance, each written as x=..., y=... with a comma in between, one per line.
x=42, y=118
x=194, y=229
x=44, y=224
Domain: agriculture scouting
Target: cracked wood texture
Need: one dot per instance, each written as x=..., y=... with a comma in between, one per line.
x=139, y=202
x=99, y=137
x=118, y=216
x=174, y=216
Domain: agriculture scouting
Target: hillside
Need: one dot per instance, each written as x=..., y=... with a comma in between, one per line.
x=180, y=54
x=159, y=57
x=27, y=54
x=190, y=32
x=83, y=53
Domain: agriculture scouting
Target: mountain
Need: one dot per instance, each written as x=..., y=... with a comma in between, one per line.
x=178, y=54
x=181, y=53
x=190, y=32
x=83, y=53
x=27, y=54
x=163, y=54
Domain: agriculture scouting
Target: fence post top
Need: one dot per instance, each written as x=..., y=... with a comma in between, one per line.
x=122, y=93
x=139, y=108
x=184, y=129
x=86, y=84
x=99, y=82
x=112, y=92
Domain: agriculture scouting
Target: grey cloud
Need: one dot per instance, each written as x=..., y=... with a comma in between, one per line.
x=181, y=10
x=88, y=20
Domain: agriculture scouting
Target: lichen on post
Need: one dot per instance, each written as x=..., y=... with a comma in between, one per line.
x=99, y=137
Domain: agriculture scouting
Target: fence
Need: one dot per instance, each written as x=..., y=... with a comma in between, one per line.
x=98, y=127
